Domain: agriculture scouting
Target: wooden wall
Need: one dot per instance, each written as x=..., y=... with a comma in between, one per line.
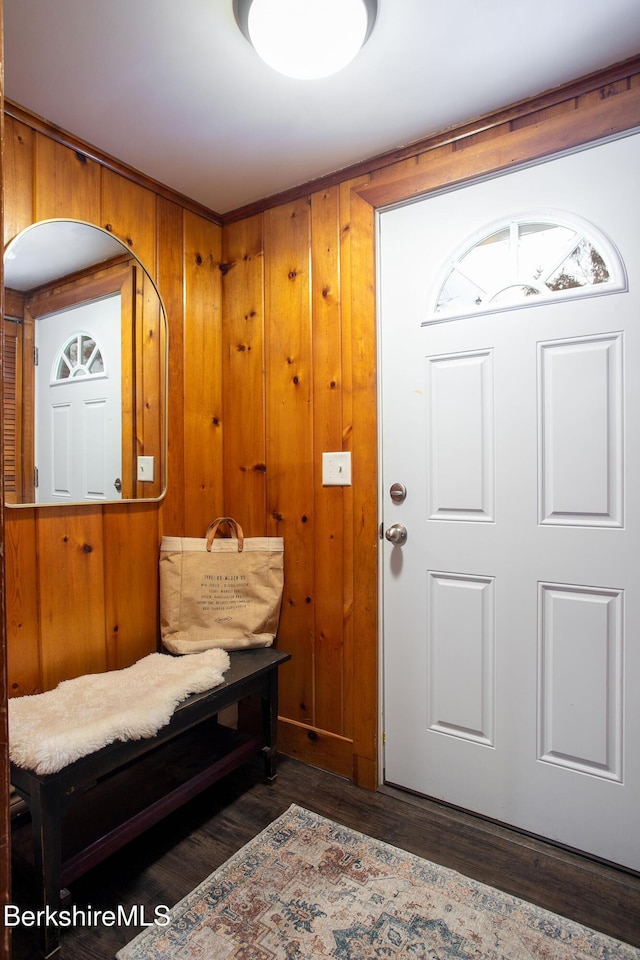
x=299, y=379
x=81, y=591
x=272, y=361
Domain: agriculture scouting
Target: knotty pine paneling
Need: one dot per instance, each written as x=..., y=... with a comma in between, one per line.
x=329, y=430
x=298, y=286
x=128, y=211
x=289, y=443
x=22, y=603
x=71, y=581
x=150, y=379
x=17, y=155
x=360, y=355
x=66, y=183
x=272, y=336
x=170, y=283
x=244, y=376
x=202, y=378
x=131, y=538
x=82, y=583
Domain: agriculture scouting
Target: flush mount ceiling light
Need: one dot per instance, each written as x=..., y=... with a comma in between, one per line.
x=306, y=39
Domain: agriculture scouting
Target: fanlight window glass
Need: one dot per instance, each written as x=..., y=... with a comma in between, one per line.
x=79, y=357
x=526, y=261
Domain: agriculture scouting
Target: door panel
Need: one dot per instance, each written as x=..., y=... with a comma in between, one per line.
x=511, y=615
x=581, y=475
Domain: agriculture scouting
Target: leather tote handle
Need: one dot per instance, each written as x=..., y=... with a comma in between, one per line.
x=234, y=526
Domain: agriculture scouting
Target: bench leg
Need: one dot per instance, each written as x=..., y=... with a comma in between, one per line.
x=270, y=727
x=46, y=818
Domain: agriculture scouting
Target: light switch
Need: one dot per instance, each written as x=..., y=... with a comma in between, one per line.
x=146, y=469
x=336, y=469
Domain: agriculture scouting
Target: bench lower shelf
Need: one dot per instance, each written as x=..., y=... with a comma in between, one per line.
x=104, y=817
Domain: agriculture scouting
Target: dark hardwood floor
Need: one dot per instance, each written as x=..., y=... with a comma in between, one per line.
x=166, y=863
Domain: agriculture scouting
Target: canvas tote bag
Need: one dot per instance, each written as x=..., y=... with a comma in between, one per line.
x=220, y=592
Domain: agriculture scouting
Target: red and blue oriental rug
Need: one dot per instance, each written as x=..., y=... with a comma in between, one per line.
x=308, y=888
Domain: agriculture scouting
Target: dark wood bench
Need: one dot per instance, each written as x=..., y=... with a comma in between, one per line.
x=83, y=813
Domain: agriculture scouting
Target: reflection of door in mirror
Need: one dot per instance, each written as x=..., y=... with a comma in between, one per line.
x=78, y=442
x=53, y=267
x=115, y=282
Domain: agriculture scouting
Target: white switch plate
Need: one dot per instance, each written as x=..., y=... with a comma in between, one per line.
x=146, y=469
x=336, y=469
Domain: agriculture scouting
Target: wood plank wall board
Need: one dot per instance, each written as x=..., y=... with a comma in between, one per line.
x=149, y=391
x=289, y=432
x=22, y=603
x=203, y=423
x=329, y=526
x=128, y=211
x=131, y=544
x=359, y=249
x=18, y=147
x=170, y=234
x=66, y=184
x=346, y=359
x=346, y=399
x=244, y=376
x=71, y=587
x=320, y=748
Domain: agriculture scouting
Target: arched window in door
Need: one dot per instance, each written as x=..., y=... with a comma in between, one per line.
x=80, y=356
x=526, y=260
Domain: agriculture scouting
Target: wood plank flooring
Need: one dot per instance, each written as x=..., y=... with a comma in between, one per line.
x=172, y=858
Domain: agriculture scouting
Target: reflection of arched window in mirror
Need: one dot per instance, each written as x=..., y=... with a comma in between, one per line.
x=80, y=356
x=54, y=268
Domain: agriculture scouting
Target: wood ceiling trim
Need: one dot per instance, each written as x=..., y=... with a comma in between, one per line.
x=549, y=136
x=67, y=139
x=516, y=112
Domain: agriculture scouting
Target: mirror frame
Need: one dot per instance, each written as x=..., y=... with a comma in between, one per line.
x=140, y=293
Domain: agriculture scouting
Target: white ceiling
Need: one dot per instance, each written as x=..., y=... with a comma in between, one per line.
x=173, y=89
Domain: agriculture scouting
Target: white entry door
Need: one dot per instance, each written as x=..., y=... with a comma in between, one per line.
x=510, y=413
x=78, y=403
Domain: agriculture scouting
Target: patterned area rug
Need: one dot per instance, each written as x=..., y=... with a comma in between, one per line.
x=308, y=888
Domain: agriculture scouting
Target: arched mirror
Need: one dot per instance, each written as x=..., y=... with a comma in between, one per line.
x=85, y=370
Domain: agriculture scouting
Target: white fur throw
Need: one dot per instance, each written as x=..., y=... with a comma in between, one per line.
x=49, y=730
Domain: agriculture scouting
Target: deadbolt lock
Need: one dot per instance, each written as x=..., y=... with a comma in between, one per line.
x=398, y=492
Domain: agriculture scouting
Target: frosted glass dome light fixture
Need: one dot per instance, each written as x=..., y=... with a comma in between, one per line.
x=306, y=39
